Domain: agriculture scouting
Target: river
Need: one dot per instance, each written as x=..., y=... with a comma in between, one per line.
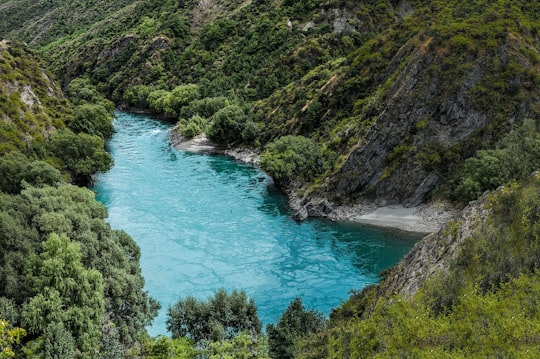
x=205, y=222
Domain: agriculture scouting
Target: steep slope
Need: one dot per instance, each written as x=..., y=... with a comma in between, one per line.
x=397, y=95
x=32, y=104
x=468, y=291
x=73, y=283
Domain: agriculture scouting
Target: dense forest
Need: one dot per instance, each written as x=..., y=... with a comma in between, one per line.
x=372, y=102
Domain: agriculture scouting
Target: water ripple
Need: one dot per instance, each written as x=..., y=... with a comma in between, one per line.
x=206, y=222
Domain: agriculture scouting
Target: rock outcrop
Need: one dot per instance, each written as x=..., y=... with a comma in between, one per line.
x=417, y=113
x=434, y=253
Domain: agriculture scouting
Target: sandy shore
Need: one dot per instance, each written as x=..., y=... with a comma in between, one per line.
x=427, y=218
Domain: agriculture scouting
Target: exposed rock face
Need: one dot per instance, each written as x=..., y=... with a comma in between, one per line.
x=434, y=253
x=417, y=111
x=116, y=48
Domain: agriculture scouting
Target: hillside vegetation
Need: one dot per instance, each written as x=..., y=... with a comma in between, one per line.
x=70, y=281
x=373, y=102
x=396, y=94
x=469, y=291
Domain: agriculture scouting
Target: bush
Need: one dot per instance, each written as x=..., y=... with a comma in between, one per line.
x=192, y=127
x=205, y=107
x=93, y=119
x=222, y=316
x=294, y=324
x=136, y=96
x=179, y=97
x=16, y=168
x=227, y=125
x=292, y=158
x=82, y=154
x=518, y=156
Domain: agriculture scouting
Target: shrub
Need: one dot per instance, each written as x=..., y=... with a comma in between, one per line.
x=293, y=325
x=222, y=316
x=292, y=158
x=192, y=127
x=227, y=125
x=93, y=119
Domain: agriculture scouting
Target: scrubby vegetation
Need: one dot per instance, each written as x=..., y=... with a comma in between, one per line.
x=347, y=99
x=325, y=70
x=67, y=278
x=484, y=305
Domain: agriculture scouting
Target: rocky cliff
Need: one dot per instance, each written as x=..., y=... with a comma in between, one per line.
x=434, y=253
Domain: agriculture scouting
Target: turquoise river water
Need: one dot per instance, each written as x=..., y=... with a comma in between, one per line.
x=207, y=222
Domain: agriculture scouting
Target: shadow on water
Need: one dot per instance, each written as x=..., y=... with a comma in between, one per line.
x=273, y=201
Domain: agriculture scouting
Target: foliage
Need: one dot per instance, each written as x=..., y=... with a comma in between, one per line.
x=229, y=125
x=482, y=305
x=67, y=300
x=205, y=107
x=179, y=97
x=30, y=218
x=501, y=323
x=93, y=119
x=81, y=154
x=9, y=337
x=243, y=346
x=518, y=156
x=223, y=316
x=192, y=127
x=293, y=325
x=30, y=102
x=164, y=347
x=292, y=158
x=73, y=281
x=17, y=169
x=81, y=91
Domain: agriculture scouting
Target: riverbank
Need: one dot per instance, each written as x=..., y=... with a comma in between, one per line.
x=427, y=218
x=201, y=144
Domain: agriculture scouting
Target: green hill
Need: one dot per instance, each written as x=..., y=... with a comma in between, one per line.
x=373, y=102
x=395, y=94
x=73, y=283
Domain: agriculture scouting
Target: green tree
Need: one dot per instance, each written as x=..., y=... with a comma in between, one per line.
x=221, y=316
x=243, y=346
x=74, y=212
x=16, y=168
x=179, y=97
x=227, y=125
x=205, y=107
x=81, y=154
x=517, y=157
x=65, y=295
x=9, y=337
x=292, y=158
x=93, y=119
x=164, y=347
x=295, y=324
x=58, y=342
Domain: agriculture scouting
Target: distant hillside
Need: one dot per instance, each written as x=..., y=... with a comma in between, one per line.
x=32, y=105
x=396, y=95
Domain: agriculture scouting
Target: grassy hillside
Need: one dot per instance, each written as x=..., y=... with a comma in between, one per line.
x=32, y=104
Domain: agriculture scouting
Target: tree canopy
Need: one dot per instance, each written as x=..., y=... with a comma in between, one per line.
x=222, y=316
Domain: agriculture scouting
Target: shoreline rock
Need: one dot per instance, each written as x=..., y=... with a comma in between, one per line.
x=202, y=144
x=424, y=219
